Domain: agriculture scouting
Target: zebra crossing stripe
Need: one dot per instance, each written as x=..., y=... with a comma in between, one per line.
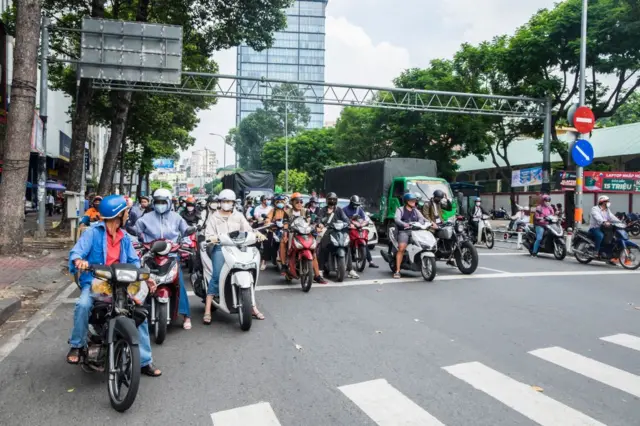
x=386, y=405
x=520, y=397
x=591, y=368
x=626, y=340
x=260, y=414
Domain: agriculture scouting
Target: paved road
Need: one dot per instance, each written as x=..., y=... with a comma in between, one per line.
x=458, y=351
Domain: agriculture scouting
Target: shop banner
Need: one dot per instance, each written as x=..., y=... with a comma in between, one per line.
x=602, y=181
x=526, y=177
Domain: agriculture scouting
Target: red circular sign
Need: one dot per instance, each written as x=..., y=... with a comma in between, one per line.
x=584, y=120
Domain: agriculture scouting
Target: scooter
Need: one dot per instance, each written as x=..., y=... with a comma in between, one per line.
x=358, y=240
x=277, y=231
x=302, y=247
x=419, y=254
x=485, y=233
x=552, y=240
x=238, y=276
x=337, y=249
x=615, y=245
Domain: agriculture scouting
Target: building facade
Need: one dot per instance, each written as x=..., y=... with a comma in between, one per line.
x=203, y=163
x=297, y=54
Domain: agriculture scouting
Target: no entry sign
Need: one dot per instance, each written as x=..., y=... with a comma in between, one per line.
x=584, y=120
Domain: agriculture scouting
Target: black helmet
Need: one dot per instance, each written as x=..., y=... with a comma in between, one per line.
x=332, y=199
x=313, y=200
x=355, y=201
x=211, y=199
x=438, y=194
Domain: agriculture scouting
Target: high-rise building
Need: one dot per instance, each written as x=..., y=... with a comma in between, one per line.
x=203, y=164
x=297, y=54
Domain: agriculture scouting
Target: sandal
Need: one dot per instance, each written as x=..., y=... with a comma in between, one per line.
x=396, y=275
x=151, y=371
x=73, y=356
x=187, y=324
x=206, y=320
x=257, y=315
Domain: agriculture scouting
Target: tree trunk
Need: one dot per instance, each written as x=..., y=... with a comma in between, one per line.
x=80, y=121
x=20, y=121
x=123, y=148
x=118, y=126
x=148, y=185
x=139, y=187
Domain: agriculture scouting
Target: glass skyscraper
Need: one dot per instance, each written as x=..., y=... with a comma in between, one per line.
x=297, y=54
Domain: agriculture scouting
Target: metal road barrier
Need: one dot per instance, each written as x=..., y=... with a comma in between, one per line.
x=504, y=238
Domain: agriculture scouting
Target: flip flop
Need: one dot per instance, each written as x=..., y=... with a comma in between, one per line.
x=259, y=316
x=73, y=352
x=206, y=319
x=187, y=324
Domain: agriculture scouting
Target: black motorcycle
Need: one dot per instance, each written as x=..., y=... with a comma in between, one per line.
x=112, y=339
x=335, y=259
x=454, y=243
x=552, y=241
x=615, y=245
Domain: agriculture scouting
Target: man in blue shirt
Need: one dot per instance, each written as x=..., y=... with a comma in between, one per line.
x=355, y=209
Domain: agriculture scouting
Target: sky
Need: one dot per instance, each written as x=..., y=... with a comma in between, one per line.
x=370, y=42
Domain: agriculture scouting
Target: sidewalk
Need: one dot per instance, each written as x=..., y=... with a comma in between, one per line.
x=27, y=282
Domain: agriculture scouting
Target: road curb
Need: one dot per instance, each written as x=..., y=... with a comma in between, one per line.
x=8, y=307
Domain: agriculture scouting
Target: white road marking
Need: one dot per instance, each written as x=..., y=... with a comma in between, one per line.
x=260, y=414
x=626, y=340
x=492, y=270
x=519, y=396
x=34, y=322
x=591, y=368
x=386, y=405
x=498, y=253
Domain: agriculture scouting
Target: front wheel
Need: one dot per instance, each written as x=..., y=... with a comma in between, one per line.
x=361, y=258
x=123, y=383
x=630, y=258
x=428, y=268
x=306, y=274
x=246, y=308
x=466, y=258
x=559, y=250
x=635, y=229
x=488, y=238
x=341, y=268
x=160, y=327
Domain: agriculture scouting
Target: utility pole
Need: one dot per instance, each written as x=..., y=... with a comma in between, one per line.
x=42, y=160
x=583, y=68
x=286, y=147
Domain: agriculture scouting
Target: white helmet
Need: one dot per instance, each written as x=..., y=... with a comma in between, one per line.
x=227, y=195
x=162, y=194
x=602, y=199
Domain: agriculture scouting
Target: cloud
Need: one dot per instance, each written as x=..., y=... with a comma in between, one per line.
x=352, y=57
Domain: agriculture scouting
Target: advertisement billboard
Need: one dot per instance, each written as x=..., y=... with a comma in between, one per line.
x=163, y=163
x=526, y=177
x=602, y=181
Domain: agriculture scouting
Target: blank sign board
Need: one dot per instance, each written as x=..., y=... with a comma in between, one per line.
x=131, y=51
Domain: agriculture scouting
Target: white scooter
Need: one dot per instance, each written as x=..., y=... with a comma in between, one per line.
x=238, y=276
x=485, y=233
x=419, y=254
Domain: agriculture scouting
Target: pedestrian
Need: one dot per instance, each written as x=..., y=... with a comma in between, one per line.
x=50, y=203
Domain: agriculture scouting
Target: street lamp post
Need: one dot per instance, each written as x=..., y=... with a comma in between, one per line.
x=286, y=147
x=224, y=155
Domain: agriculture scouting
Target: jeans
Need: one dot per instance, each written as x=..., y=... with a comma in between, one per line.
x=598, y=236
x=183, y=305
x=369, y=259
x=217, y=260
x=539, y=235
x=84, y=304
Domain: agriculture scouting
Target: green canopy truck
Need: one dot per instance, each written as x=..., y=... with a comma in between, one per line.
x=382, y=183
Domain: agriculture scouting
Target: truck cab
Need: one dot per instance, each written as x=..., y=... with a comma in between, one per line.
x=420, y=185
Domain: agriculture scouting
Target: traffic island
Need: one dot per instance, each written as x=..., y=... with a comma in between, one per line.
x=8, y=307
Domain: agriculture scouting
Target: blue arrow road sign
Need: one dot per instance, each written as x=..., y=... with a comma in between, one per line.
x=582, y=153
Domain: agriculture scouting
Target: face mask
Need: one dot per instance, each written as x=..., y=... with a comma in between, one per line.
x=160, y=208
x=227, y=207
x=190, y=208
x=280, y=205
x=332, y=202
x=547, y=203
x=608, y=204
x=478, y=204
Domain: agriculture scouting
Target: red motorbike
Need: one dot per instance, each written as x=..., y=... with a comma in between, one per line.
x=358, y=240
x=162, y=257
x=302, y=249
x=188, y=253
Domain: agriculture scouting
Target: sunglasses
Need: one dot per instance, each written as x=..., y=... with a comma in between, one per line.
x=297, y=202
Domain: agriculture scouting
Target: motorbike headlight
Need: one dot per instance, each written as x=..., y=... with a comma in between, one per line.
x=167, y=279
x=297, y=244
x=346, y=240
x=314, y=244
x=460, y=227
x=334, y=240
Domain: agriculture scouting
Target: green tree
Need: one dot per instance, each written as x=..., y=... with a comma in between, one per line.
x=310, y=151
x=298, y=181
x=627, y=114
x=361, y=135
x=157, y=184
x=209, y=187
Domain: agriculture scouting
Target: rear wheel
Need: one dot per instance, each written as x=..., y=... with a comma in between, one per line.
x=160, y=327
x=341, y=268
x=428, y=268
x=488, y=238
x=360, y=258
x=580, y=253
x=306, y=274
x=467, y=258
x=245, y=310
x=123, y=383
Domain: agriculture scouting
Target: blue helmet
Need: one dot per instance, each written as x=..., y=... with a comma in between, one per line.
x=112, y=206
x=409, y=196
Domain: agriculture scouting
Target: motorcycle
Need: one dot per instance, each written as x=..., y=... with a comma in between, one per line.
x=552, y=241
x=452, y=243
x=484, y=232
x=188, y=253
x=419, y=254
x=302, y=247
x=277, y=231
x=501, y=213
x=335, y=260
x=615, y=245
x=112, y=337
x=358, y=241
x=238, y=276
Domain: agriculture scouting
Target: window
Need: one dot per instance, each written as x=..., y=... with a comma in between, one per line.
x=311, y=8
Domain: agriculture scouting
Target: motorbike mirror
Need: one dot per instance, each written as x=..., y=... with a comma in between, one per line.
x=159, y=247
x=191, y=230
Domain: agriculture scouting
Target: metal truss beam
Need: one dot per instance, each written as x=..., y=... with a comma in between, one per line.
x=261, y=89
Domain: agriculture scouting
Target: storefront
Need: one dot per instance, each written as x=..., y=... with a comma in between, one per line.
x=622, y=187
